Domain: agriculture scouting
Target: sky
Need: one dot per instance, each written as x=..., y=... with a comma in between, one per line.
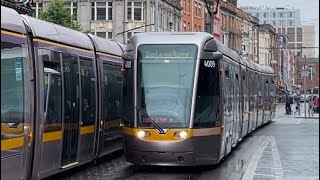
x=309, y=11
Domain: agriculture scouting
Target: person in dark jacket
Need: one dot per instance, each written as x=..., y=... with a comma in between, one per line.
x=289, y=101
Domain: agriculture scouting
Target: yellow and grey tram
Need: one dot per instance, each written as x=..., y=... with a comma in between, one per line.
x=188, y=99
x=60, y=97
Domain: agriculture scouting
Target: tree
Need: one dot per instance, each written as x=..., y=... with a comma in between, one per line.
x=57, y=13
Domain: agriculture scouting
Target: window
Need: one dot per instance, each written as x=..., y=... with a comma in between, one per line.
x=281, y=14
x=112, y=90
x=101, y=34
x=52, y=90
x=36, y=10
x=88, y=107
x=274, y=15
x=135, y=11
x=196, y=9
x=299, y=34
x=129, y=34
x=299, y=45
x=291, y=23
x=291, y=46
x=110, y=35
x=161, y=14
x=227, y=73
x=12, y=90
x=265, y=15
x=290, y=14
x=291, y=34
x=274, y=23
x=72, y=6
x=257, y=15
x=208, y=93
x=265, y=22
x=101, y=11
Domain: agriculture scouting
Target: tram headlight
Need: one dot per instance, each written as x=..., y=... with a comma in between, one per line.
x=181, y=134
x=143, y=134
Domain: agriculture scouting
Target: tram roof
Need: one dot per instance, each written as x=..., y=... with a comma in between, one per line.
x=227, y=51
x=11, y=20
x=54, y=32
x=198, y=38
x=106, y=46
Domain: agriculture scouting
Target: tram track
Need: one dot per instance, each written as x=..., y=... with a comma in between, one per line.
x=160, y=173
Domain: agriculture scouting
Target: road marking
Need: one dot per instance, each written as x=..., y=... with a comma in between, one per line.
x=276, y=165
x=276, y=154
x=249, y=173
x=260, y=174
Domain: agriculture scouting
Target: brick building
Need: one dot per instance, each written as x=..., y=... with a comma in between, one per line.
x=192, y=15
x=314, y=63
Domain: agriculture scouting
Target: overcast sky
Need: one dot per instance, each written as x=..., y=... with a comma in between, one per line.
x=309, y=10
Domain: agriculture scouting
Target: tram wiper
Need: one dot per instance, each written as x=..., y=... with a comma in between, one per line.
x=161, y=131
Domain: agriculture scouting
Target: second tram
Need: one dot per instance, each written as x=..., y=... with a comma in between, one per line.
x=188, y=99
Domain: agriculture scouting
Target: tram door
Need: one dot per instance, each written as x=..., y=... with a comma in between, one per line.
x=112, y=90
x=71, y=110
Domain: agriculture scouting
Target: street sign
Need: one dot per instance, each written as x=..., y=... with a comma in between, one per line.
x=304, y=74
x=305, y=67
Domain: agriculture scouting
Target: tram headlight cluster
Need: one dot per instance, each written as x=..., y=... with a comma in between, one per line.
x=181, y=134
x=143, y=134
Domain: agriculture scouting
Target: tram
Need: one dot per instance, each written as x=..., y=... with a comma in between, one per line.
x=60, y=97
x=188, y=99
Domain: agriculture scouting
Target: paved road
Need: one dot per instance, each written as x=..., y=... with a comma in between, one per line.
x=286, y=149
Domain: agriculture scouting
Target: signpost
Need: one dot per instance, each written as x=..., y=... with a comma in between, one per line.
x=304, y=75
x=311, y=77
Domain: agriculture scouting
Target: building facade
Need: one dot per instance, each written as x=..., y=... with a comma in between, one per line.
x=312, y=63
x=277, y=17
x=308, y=37
x=231, y=26
x=250, y=38
x=287, y=21
x=192, y=15
x=106, y=18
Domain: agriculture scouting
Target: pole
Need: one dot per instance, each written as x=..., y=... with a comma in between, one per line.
x=305, y=97
x=124, y=35
x=311, y=77
x=156, y=16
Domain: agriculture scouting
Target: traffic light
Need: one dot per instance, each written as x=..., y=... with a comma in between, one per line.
x=311, y=73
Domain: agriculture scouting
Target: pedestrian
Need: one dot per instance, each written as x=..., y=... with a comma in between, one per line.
x=310, y=105
x=298, y=99
x=288, y=104
x=316, y=104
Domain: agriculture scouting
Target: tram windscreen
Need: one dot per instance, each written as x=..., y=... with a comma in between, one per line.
x=165, y=83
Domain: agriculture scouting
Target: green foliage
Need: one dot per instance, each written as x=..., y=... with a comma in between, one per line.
x=57, y=13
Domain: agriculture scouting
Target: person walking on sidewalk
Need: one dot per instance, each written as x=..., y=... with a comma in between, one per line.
x=298, y=100
x=289, y=101
x=316, y=104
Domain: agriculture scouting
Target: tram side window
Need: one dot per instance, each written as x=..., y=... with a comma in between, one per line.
x=207, y=101
x=112, y=92
x=88, y=91
x=12, y=88
x=52, y=90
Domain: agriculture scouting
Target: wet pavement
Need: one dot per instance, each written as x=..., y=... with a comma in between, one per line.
x=285, y=149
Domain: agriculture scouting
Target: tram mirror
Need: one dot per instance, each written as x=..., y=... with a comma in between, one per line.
x=127, y=56
x=217, y=55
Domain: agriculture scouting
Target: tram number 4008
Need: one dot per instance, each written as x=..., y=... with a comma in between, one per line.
x=209, y=63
